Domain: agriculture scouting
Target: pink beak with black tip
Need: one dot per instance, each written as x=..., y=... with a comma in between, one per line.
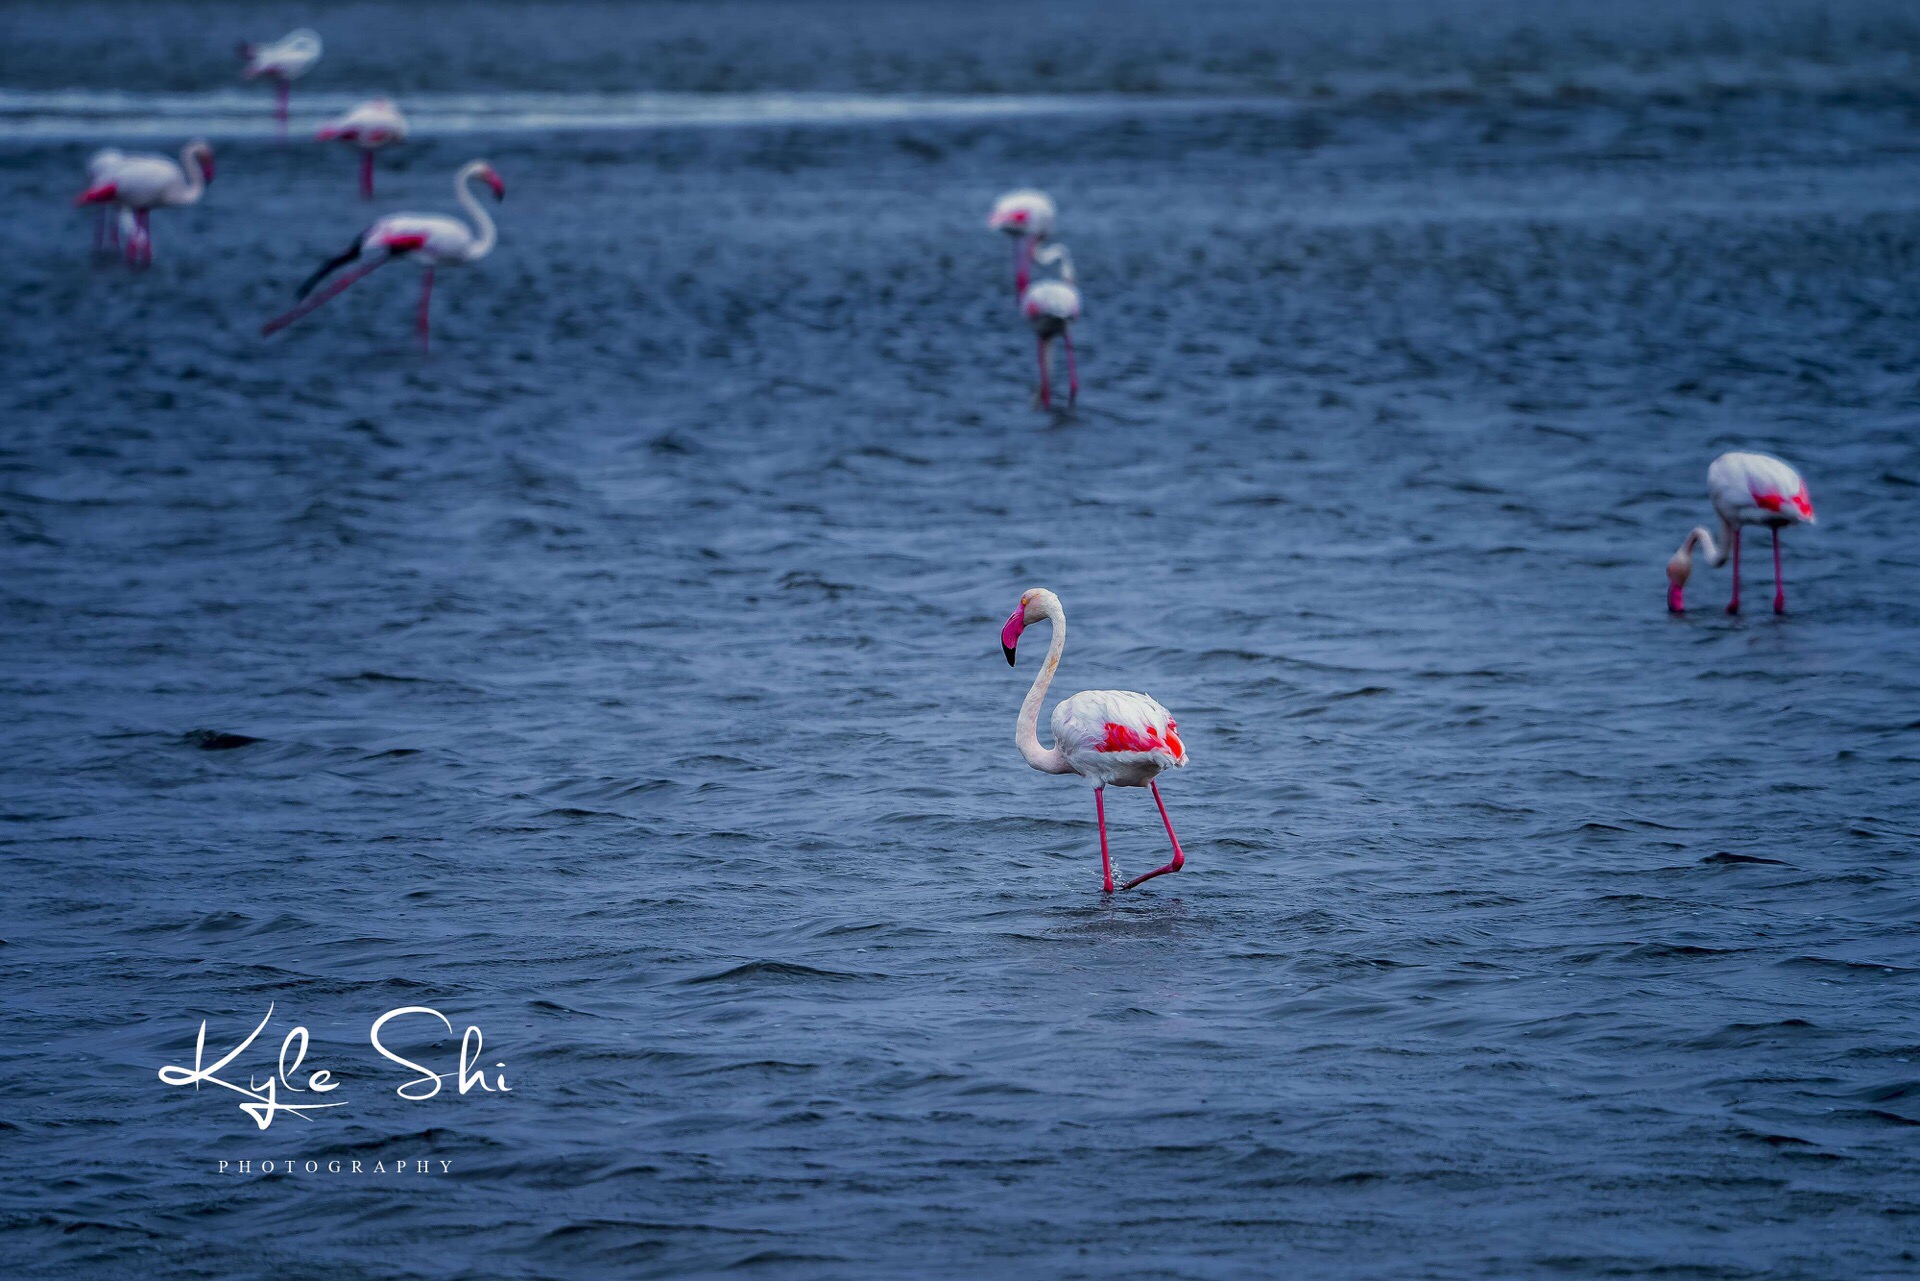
x=1010, y=634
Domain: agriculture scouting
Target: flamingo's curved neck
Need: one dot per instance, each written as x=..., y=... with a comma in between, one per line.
x=463, y=191
x=1699, y=536
x=196, y=174
x=1026, y=733
x=1051, y=255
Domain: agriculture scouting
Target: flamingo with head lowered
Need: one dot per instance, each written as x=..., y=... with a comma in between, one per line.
x=283, y=61
x=1051, y=306
x=140, y=184
x=1106, y=736
x=432, y=240
x=1027, y=216
x=1745, y=489
x=374, y=124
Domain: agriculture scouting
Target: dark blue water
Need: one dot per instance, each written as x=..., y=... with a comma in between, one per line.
x=624, y=679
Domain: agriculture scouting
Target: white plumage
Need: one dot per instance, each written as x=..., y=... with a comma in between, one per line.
x=373, y=124
x=288, y=58
x=1023, y=213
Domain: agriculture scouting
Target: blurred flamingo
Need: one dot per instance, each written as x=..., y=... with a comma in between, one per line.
x=428, y=239
x=1027, y=216
x=1107, y=736
x=1745, y=489
x=142, y=183
x=1050, y=307
x=374, y=124
x=283, y=61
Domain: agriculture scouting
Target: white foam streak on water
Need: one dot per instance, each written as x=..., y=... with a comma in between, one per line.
x=96, y=115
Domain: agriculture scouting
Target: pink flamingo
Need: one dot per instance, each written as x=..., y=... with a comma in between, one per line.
x=1050, y=306
x=140, y=184
x=284, y=61
x=370, y=126
x=1107, y=736
x=428, y=239
x=1745, y=489
x=1027, y=216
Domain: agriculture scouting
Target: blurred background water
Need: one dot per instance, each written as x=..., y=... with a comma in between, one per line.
x=624, y=679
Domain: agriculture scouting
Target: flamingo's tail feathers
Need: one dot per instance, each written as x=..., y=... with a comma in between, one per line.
x=328, y=267
x=99, y=195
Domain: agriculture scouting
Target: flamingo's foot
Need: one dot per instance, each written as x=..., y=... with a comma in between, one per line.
x=1733, y=607
x=1179, y=861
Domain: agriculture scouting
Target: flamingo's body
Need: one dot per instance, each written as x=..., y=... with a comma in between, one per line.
x=1109, y=737
x=372, y=125
x=283, y=61
x=140, y=184
x=1027, y=216
x=1050, y=307
x=432, y=240
x=1745, y=489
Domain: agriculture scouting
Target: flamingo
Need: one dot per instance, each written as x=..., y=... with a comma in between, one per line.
x=1027, y=216
x=1745, y=489
x=284, y=61
x=430, y=239
x=106, y=225
x=140, y=184
x=374, y=124
x=1050, y=306
x=1107, y=736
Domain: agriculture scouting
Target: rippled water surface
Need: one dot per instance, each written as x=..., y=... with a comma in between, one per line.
x=624, y=679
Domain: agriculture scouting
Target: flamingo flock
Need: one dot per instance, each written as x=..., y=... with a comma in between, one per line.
x=1110, y=738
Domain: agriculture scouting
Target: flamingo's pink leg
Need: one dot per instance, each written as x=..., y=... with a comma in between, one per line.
x=1046, y=384
x=1733, y=606
x=1779, y=580
x=1022, y=250
x=426, y=298
x=1106, y=861
x=333, y=290
x=1073, y=372
x=1179, y=859
x=366, y=175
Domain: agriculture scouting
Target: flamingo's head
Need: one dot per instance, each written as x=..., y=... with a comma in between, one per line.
x=1036, y=603
x=1012, y=222
x=485, y=173
x=202, y=151
x=1679, y=569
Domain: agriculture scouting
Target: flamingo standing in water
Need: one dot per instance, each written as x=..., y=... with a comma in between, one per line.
x=106, y=223
x=284, y=61
x=140, y=184
x=428, y=239
x=1050, y=306
x=1107, y=736
x=1745, y=489
x=1027, y=216
x=374, y=124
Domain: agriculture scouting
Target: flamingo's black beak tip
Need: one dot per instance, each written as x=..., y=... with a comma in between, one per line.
x=1008, y=651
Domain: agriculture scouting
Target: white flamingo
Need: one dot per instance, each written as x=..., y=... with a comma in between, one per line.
x=1027, y=216
x=1107, y=736
x=374, y=124
x=1051, y=306
x=283, y=61
x=1745, y=489
x=431, y=240
x=140, y=184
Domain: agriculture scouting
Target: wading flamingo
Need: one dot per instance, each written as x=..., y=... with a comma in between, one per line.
x=1050, y=307
x=374, y=124
x=1746, y=489
x=106, y=223
x=1103, y=735
x=140, y=184
x=428, y=239
x=284, y=61
x=1027, y=216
